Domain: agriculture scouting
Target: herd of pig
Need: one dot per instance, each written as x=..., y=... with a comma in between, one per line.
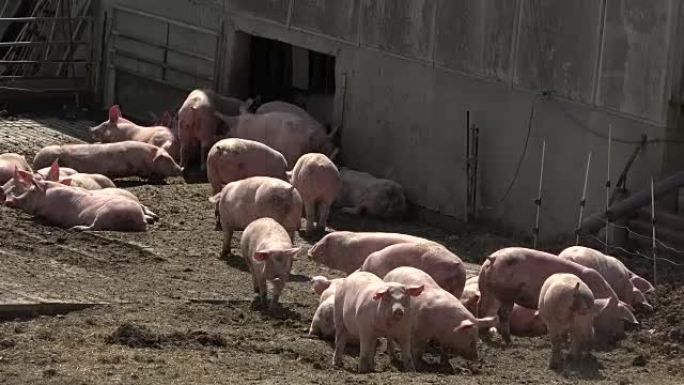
x=268, y=166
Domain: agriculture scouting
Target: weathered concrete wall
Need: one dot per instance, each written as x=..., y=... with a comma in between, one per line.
x=412, y=68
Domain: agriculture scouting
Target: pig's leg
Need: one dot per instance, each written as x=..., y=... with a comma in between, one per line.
x=505, y=321
x=556, y=351
x=392, y=348
x=406, y=353
x=367, y=345
x=323, y=212
x=227, y=236
x=278, y=285
x=310, y=210
x=206, y=146
x=340, y=341
x=185, y=154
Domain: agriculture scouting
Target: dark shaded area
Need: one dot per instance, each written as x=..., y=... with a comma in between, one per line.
x=137, y=336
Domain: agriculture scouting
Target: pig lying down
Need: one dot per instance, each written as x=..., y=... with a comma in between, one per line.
x=246, y=200
x=368, y=308
x=115, y=160
x=319, y=183
x=515, y=275
x=74, y=208
x=268, y=252
x=439, y=316
x=10, y=162
x=234, y=159
x=346, y=250
x=118, y=129
x=363, y=194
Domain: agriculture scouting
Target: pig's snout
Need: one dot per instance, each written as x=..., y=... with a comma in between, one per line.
x=397, y=311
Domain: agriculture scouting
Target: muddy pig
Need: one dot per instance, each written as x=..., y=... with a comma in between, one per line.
x=243, y=201
x=268, y=252
x=368, y=308
x=442, y=265
x=614, y=271
x=363, y=194
x=319, y=183
x=234, y=159
x=114, y=160
x=75, y=208
x=516, y=275
x=567, y=306
x=118, y=129
x=346, y=251
x=439, y=316
x=8, y=163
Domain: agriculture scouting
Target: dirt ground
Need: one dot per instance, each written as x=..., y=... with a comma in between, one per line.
x=179, y=314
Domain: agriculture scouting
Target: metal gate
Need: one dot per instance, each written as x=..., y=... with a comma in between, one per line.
x=46, y=46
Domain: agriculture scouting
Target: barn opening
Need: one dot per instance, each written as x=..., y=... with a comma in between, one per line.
x=275, y=70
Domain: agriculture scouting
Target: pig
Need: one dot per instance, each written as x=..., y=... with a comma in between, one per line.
x=368, y=308
x=279, y=106
x=524, y=321
x=567, y=306
x=243, y=201
x=234, y=159
x=114, y=160
x=346, y=251
x=289, y=134
x=516, y=275
x=318, y=181
x=323, y=321
x=612, y=270
x=363, y=194
x=198, y=125
x=439, y=316
x=8, y=163
x=268, y=251
x=74, y=208
x=118, y=129
x=442, y=265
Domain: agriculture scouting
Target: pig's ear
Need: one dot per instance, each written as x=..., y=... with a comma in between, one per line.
x=626, y=314
x=261, y=256
x=114, y=113
x=53, y=174
x=487, y=322
x=466, y=324
x=319, y=284
x=23, y=177
x=642, y=284
x=414, y=291
x=381, y=293
x=600, y=305
x=295, y=252
x=66, y=181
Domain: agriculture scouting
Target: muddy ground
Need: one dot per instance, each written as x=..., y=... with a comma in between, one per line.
x=179, y=314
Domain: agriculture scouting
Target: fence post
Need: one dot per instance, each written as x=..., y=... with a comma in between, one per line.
x=538, y=201
x=583, y=201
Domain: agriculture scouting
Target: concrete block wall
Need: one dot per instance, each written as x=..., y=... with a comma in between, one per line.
x=412, y=68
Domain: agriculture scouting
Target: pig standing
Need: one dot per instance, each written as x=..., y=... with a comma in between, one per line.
x=323, y=321
x=516, y=275
x=319, y=183
x=234, y=159
x=268, y=252
x=115, y=160
x=118, y=129
x=363, y=194
x=346, y=251
x=243, y=201
x=567, y=306
x=442, y=265
x=8, y=163
x=289, y=134
x=198, y=125
x=368, y=308
x=612, y=270
x=74, y=208
x=439, y=316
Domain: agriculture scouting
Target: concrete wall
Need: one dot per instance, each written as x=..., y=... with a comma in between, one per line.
x=410, y=69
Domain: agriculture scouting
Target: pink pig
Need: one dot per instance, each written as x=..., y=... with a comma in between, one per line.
x=439, y=316
x=115, y=160
x=323, y=321
x=364, y=194
x=118, y=129
x=75, y=208
x=346, y=251
x=614, y=272
x=243, y=201
x=567, y=306
x=442, y=265
x=10, y=162
x=316, y=178
x=268, y=252
x=368, y=308
x=516, y=275
x=234, y=159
